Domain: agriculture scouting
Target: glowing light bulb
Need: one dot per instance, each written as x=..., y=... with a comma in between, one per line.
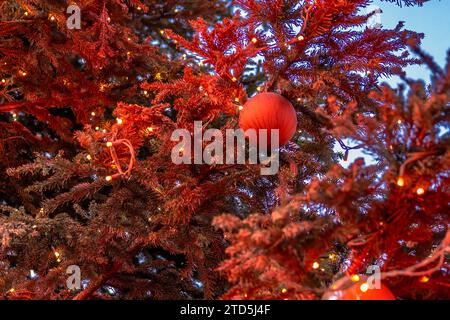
x=355, y=278
x=424, y=279
x=258, y=88
x=316, y=265
x=234, y=79
x=97, y=128
x=108, y=178
x=26, y=13
x=254, y=40
x=400, y=181
x=139, y=8
x=364, y=287
x=93, y=113
x=12, y=290
x=3, y=80
x=161, y=32
x=284, y=290
x=399, y=121
x=300, y=38
x=150, y=129
x=420, y=191
x=109, y=19
x=236, y=99
x=23, y=73
x=332, y=256
x=89, y=157
x=109, y=144
x=57, y=254
x=52, y=18
x=241, y=108
x=119, y=121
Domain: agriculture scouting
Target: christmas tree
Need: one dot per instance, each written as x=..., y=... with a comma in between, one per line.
x=91, y=93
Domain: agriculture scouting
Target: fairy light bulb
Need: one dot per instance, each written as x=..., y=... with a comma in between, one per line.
x=424, y=279
x=119, y=121
x=420, y=191
x=26, y=13
x=236, y=99
x=258, y=88
x=316, y=265
x=284, y=290
x=400, y=181
x=93, y=113
x=241, y=108
x=52, y=18
x=300, y=38
x=23, y=73
x=89, y=157
x=355, y=278
x=364, y=287
x=139, y=8
x=399, y=121
x=108, y=178
x=254, y=40
x=109, y=19
x=109, y=144
x=3, y=80
x=234, y=79
x=332, y=256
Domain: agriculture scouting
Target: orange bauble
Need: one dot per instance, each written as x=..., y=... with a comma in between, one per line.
x=269, y=110
x=349, y=289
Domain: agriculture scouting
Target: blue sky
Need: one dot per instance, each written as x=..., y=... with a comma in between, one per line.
x=433, y=20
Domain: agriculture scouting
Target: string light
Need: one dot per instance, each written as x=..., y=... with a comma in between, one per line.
x=161, y=32
x=119, y=121
x=93, y=113
x=424, y=279
x=52, y=18
x=108, y=178
x=284, y=290
x=3, y=80
x=258, y=88
x=316, y=265
x=420, y=191
x=109, y=19
x=158, y=76
x=89, y=157
x=26, y=13
x=234, y=79
x=399, y=121
x=236, y=99
x=97, y=128
x=355, y=278
x=149, y=129
x=364, y=287
x=300, y=38
x=11, y=290
x=254, y=40
x=109, y=144
x=139, y=8
x=241, y=108
x=332, y=256
x=400, y=181
x=23, y=73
